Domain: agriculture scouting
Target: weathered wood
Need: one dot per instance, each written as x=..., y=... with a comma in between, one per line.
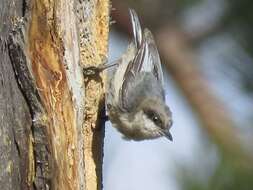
x=20, y=62
x=15, y=123
x=15, y=119
x=93, y=33
x=48, y=47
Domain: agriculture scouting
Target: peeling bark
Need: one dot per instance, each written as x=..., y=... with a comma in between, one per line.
x=62, y=146
x=93, y=31
x=15, y=119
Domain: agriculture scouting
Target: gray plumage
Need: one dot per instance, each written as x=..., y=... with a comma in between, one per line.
x=135, y=95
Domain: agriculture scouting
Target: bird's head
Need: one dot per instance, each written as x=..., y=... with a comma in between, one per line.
x=152, y=119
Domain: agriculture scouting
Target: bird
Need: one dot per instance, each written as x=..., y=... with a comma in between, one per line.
x=135, y=95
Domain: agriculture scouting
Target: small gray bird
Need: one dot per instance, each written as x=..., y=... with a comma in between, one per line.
x=135, y=96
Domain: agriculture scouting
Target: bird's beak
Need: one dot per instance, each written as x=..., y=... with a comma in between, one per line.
x=168, y=135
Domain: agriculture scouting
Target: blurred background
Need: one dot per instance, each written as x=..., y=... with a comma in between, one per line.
x=206, y=47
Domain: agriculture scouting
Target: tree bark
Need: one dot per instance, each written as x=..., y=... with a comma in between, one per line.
x=52, y=137
x=15, y=120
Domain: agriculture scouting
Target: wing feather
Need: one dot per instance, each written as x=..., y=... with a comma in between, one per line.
x=153, y=63
x=146, y=59
x=137, y=31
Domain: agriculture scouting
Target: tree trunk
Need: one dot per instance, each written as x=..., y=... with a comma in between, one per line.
x=51, y=135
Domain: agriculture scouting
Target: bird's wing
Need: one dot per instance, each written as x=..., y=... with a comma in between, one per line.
x=146, y=59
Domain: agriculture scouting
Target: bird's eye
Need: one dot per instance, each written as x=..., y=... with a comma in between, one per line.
x=157, y=121
x=154, y=117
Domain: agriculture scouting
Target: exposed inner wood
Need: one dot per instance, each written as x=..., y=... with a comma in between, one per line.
x=94, y=31
x=49, y=49
x=46, y=54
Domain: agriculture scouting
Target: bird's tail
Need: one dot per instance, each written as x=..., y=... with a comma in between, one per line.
x=137, y=31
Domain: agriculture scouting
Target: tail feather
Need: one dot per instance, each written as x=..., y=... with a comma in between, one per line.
x=137, y=31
